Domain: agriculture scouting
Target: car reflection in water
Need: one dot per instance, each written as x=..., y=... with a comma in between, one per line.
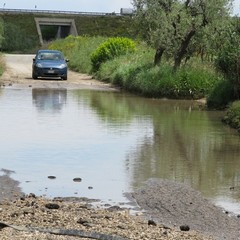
x=49, y=99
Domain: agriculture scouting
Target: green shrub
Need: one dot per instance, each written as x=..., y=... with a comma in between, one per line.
x=221, y=95
x=228, y=62
x=195, y=81
x=136, y=72
x=81, y=53
x=110, y=49
x=65, y=45
x=232, y=116
x=16, y=39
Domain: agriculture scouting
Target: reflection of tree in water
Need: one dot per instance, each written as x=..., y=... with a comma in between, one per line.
x=51, y=100
x=112, y=108
x=187, y=146
x=183, y=143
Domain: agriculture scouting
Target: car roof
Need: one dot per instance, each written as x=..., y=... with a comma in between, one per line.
x=48, y=51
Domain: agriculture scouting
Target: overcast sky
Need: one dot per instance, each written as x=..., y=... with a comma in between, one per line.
x=78, y=5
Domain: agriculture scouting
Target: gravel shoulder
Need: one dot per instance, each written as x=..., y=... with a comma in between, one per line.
x=165, y=205
x=176, y=204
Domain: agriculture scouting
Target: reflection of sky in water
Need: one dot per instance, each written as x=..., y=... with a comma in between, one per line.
x=72, y=142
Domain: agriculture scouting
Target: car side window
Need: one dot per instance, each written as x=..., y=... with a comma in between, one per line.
x=40, y=57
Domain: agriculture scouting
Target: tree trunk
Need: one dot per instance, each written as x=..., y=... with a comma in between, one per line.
x=183, y=49
x=158, y=56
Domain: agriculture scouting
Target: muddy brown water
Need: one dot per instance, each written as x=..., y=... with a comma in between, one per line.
x=114, y=142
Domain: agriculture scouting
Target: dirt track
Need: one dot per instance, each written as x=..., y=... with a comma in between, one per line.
x=18, y=74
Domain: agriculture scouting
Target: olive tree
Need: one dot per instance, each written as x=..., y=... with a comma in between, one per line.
x=228, y=59
x=172, y=26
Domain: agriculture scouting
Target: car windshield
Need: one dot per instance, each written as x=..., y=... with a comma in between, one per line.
x=50, y=56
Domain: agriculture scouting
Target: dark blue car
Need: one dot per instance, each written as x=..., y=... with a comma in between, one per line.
x=49, y=63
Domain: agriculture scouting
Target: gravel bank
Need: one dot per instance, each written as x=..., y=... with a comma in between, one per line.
x=114, y=223
x=175, y=204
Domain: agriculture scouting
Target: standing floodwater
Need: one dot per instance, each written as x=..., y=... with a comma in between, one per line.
x=112, y=143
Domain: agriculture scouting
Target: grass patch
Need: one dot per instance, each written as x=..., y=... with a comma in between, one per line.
x=2, y=65
x=221, y=95
x=137, y=73
x=78, y=50
x=232, y=116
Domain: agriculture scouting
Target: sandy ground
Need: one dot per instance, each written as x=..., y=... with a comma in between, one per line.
x=169, y=210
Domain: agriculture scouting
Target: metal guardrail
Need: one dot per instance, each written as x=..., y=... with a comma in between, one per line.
x=35, y=11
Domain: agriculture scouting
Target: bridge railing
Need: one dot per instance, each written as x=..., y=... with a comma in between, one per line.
x=8, y=10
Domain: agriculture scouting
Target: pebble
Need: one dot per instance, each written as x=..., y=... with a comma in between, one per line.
x=32, y=195
x=151, y=222
x=52, y=206
x=184, y=228
x=51, y=177
x=77, y=179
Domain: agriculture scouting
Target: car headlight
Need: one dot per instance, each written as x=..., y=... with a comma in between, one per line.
x=63, y=65
x=39, y=65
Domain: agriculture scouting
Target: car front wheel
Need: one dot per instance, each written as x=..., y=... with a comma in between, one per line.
x=64, y=77
x=34, y=76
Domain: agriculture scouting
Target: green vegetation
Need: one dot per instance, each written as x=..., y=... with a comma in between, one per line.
x=1, y=32
x=2, y=65
x=107, y=26
x=110, y=49
x=232, y=116
x=136, y=72
x=180, y=29
x=15, y=39
x=78, y=50
x=221, y=95
x=20, y=33
x=228, y=60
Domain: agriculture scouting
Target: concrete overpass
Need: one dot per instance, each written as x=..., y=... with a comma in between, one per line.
x=65, y=26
